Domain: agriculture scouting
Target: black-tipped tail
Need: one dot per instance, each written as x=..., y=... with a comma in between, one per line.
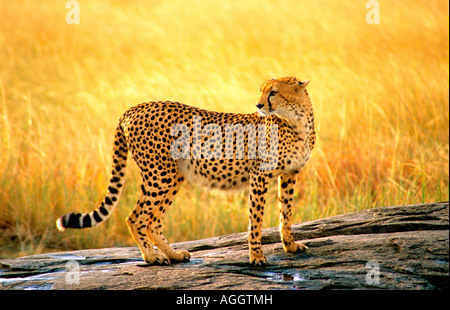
x=81, y=220
x=104, y=210
x=70, y=220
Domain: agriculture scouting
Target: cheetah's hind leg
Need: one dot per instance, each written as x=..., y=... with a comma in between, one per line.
x=135, y=222
x=158, y=200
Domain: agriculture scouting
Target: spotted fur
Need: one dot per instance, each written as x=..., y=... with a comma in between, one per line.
x=147, y=131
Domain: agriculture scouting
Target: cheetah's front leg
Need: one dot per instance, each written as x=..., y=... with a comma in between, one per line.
x=257, y=193
x=286, y=185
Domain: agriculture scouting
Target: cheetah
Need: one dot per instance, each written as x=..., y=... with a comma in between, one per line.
x=172, y=142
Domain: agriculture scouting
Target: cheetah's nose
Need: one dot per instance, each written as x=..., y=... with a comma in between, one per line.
x=259, y=105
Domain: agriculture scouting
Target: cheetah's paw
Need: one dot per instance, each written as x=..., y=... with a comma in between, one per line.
x=181, y=256
x=293, y=247
x=157, y=259
x=258, y=259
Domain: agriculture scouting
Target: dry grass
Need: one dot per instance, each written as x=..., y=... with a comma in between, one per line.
x=380, y=94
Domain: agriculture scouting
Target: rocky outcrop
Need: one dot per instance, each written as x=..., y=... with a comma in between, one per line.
x=402, y=247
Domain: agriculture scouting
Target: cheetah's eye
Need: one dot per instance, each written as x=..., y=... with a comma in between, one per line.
x=272, y=93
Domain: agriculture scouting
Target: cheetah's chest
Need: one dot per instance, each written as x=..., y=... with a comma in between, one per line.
x=293, y=150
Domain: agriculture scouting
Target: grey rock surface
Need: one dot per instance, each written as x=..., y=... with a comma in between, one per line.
x=402, y=247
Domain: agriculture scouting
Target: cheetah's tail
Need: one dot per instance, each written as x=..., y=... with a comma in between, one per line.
x=104, y=210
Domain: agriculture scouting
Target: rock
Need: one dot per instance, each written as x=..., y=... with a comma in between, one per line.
x=402, y=247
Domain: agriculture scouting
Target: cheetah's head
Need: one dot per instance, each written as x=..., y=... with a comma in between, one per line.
x=282, y=96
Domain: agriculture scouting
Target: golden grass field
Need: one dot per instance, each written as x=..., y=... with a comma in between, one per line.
x=380, y=93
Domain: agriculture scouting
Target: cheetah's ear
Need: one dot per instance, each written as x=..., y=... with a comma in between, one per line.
x=303, y=83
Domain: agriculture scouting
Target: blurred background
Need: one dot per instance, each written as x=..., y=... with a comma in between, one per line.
x=380, y=94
